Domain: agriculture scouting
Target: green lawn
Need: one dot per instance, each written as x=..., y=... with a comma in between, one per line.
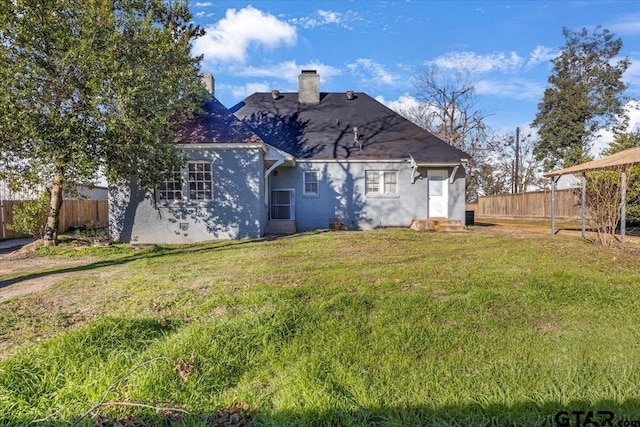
x=384, y=328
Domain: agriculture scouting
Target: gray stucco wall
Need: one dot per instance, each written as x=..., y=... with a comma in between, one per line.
x=236, y=211
x=457, y=195
x=342, y=195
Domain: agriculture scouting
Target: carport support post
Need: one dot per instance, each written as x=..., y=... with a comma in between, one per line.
x=623, y=205
x=583, y=206
x=553, y=206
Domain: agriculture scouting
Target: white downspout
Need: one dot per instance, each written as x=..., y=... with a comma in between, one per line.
x=266, y=179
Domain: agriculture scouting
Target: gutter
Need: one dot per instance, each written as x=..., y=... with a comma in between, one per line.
x=225, y=146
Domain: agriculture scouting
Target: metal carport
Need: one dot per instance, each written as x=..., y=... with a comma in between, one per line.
x=618, y=160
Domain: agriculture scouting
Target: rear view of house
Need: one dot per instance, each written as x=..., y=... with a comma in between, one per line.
x=285, y=162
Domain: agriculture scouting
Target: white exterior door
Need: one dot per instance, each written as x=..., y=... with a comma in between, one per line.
x=438, y=193
x=282, y=204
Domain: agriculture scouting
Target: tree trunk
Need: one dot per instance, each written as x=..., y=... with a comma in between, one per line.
x=55, y=203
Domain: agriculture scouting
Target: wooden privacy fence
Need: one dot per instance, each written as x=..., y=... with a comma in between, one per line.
x=528, y=205
x=74, y=213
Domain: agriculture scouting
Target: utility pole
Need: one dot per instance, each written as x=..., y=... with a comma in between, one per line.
x=517, y=165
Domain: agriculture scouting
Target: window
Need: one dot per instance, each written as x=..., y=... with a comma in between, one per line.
x=381, y=182
x=198, y=185
x=373, y=181
x=310, y=179
x=199, y=181
x=171, y=188
x=390, y=180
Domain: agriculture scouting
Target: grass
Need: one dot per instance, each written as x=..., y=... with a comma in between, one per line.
x=386, y=328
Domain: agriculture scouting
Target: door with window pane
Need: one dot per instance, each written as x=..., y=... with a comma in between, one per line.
x=282, y=204
x=438, y=194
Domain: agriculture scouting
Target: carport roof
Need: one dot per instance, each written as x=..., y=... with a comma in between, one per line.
x=623, y=158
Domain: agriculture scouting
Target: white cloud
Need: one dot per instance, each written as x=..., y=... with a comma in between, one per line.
x=249, y=89
x=540, y=55
x=632, y=75
x=633, y=109
x=405, y=102
x=329, y=17
x=203, y=14
x=326, y=17
x=373, y=70
x=605, y=137
x=288, y=70
x=230, y=38
x=203, y=4
x=473, y=62
x=629, y=25
x=511, y=88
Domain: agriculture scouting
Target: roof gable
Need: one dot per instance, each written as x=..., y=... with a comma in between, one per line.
x=216, y=125
x=327, y=130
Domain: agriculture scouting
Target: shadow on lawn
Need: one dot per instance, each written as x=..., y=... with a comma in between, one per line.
x=552, y=414
x=153, y=252
x=39, y=373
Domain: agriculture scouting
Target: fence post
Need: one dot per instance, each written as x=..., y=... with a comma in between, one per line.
x=623, y=205
x=583, y=206
x=553, y=206
x=2, y=223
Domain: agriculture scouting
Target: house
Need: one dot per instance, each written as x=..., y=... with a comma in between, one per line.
x=285, y=162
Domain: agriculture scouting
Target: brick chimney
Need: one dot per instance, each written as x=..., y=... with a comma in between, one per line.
x=209, y=83
x=309, y=87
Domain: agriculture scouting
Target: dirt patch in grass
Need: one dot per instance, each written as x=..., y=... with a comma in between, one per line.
x=527, y=229
x=29, y=286
x=20, y=273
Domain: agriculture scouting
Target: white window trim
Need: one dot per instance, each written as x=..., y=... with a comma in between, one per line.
x=304, y=183
x=174, y=172
x=186, y=193
x=381, y=183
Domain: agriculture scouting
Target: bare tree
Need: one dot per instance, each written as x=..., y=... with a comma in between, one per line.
x=448, y=109
x=492, y=180
x=603, y=203
x=511, y=157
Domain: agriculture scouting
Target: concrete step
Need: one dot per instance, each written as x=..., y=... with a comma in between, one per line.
x=422, y=225
x=280, y=226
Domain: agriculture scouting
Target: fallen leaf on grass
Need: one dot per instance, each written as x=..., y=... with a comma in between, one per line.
x=184, y=368
x=237, y=415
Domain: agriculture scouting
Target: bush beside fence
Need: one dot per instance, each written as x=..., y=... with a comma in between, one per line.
x=74, y=213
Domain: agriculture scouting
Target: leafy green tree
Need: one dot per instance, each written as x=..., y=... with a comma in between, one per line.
x=93, y=86
x=585, y=94
x=623, y=141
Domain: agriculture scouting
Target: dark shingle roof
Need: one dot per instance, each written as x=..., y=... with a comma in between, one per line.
x=326, y=130
x=216, y=125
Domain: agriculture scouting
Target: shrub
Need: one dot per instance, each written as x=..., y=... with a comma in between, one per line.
x=31, y=217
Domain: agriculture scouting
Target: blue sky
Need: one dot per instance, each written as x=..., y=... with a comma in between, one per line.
x=377, y=47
